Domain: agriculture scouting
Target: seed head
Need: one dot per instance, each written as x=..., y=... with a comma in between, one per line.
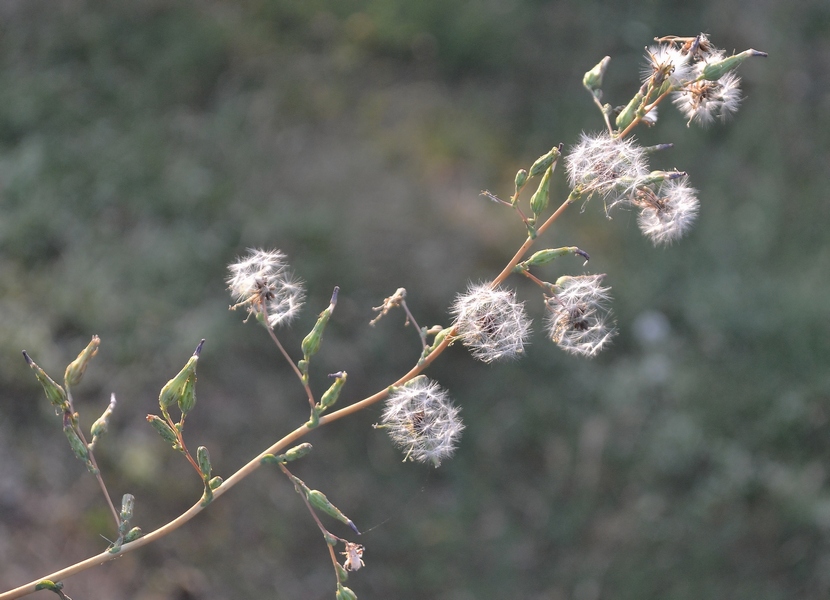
x=422, y=421
x=491, y=323
x=609, y=166
x=668, y=211
x=666, y=63
x=704, y=101
x=579, y=320
x=262, y=282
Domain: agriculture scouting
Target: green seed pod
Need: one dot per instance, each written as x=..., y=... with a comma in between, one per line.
x=203, y=458
x=164, y=430
x=173, y=389
x=54, y=392
x=330, y=395
x=188, y=398
x=539, y=200
x=545, y=256
x=660, y=176
x=78, y=447
x=215, y=482
x=127, y=506
x=521, y=179
x=46, y=584
x=296, y=452
x=318, y=499
x=344, y=593
x=311, y=343
x=101, y=425
x=626, y=117
x=133, y=534
x=76, y=369
x=716, y=70
x=593, y=78
x=544, y=161
x=342, y=574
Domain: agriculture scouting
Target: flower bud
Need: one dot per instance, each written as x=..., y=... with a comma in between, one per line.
x=521, y=179
x=625, y=118
x=203, y=458
x=318, y=500
x=311, y=343
x=539, y=200
x=164, y=430
x=127, y=506
x=101, y=425
x=297, y=452
x=76, y=369
x=545, y=256
x=188, y=398
x=330, y=395
x=544, y=161
x=46, y=584
x=78, y=446
x=716, y=70
x=173, y=389
x=215, y=482
x=293, y=454
x=54, y=392
x=593, y=78
x=133, y=534
x=342, y=574
x=344, y=593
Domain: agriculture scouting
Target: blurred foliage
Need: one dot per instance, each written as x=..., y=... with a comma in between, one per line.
x=143, y=145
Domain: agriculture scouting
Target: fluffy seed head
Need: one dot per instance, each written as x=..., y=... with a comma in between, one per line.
x=605, y=165
x=666, y=63
x=667, y=212
x=579, y=321
x=491, y=323
x=704, y=101
x=422, y=421
x=262, y=282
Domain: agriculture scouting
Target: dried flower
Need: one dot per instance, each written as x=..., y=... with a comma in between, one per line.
x=490, y=322
x=354, y=557
x=606, y=165
x=262, y=282
x=704, y=101
x=422, y=421
x=579, y=320
x=667, y=212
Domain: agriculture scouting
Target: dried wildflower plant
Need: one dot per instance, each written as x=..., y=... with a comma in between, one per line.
x=487, y=318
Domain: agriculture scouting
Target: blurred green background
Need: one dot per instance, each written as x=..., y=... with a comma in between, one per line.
x=145, y=144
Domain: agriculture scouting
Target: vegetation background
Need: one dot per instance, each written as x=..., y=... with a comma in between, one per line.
x=144, y=144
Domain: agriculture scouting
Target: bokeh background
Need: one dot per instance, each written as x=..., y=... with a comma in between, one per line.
x=145, y=144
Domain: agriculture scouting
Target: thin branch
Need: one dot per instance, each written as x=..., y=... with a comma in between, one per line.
x=288, y=358
x=275, y=448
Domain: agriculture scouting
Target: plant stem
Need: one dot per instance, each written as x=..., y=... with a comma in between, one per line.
x=275, y=448
x=305, y=385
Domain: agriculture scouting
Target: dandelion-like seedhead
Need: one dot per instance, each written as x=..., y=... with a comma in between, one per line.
x=668, y=211
x=491, y=323
x=609, y=166
x=580, y=321
x=704, y=101
x=422, y=421
x=666, y=63
x=262, y=282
